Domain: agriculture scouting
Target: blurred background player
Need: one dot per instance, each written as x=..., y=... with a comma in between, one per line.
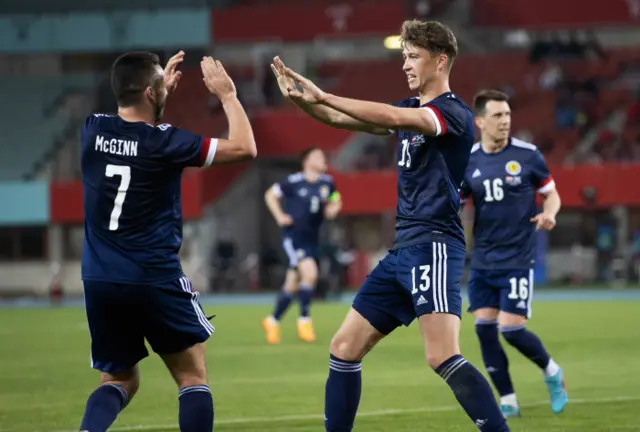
x=503, y=177
x=134, y=285
x=420, y=276
x=310, y=197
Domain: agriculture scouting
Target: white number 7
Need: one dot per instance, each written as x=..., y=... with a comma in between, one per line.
x=125, y=173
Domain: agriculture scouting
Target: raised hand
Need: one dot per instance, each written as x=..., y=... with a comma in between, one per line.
x=171, y=75
x=310, y=94
x=216, y=79
x=284, y=82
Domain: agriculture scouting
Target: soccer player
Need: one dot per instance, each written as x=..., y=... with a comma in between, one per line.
x=310, y=197
x=134, y=286
x=503, y=177
x=420, y=276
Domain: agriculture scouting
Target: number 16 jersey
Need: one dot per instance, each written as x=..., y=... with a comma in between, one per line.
x=131, y=177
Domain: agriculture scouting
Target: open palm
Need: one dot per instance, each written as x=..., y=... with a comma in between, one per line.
x=284, y=82
x=171, y=74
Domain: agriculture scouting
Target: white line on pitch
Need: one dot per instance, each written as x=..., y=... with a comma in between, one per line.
x=242, y=420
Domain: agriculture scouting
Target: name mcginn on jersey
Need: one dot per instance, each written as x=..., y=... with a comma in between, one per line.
x=116, y=146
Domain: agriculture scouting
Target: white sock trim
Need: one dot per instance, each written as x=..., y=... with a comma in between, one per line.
x=509, y=399
x=552, y=369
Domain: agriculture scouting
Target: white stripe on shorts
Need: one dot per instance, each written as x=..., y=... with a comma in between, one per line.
x=186, y=286
x=530, y=299
x=439, y=277
x=287, y=244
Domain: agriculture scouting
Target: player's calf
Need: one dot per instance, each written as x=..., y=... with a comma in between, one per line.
x=188, y=369
x=105, y=403
x=353, y=340
x=308, y=280
x=530, y=345
x=440, y=332
x=495, y=361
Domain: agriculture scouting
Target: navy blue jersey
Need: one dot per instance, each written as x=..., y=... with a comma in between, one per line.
x=304, y=202
x=430, y=171
x=503, y=188
x=131, y=175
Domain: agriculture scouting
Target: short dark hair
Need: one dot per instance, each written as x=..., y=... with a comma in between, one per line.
x=481, y=99
x=433, y=36
x=306, y=152
x=131, y=74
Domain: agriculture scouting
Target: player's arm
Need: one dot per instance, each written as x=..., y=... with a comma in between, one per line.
x=322, y=113
x=334, y=118
x=426, y=120
x=334, y=205
x=272, y=198
x=546, y=187
x=240, y=145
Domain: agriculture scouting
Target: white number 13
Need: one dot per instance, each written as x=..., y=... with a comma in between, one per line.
x=125, y=178
x=425, y=282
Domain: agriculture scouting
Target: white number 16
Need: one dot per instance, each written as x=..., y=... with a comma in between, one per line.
x=125, y=178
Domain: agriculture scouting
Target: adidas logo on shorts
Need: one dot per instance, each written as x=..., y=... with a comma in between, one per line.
x=421, y=301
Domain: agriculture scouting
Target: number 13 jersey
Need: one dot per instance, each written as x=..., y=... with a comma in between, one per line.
x=131, y=177
x=430, y=172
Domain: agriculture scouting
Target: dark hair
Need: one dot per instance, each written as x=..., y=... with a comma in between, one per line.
x=131, y=74
x=481, y=99
x=305, y=154
x=433, y=36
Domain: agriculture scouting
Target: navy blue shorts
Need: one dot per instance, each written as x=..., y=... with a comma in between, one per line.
x=297, y=251
x=410, y=282
x=122, y=316
x=506, y=290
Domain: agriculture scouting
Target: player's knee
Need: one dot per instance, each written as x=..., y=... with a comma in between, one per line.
x=308, y=272
x=188, y=368
x=128, y=380
x=436, y=359
x=348, y=348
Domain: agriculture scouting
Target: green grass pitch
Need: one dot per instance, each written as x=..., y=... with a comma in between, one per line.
x=45, y=375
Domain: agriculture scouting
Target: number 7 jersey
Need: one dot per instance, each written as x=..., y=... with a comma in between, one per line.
x=131, y=177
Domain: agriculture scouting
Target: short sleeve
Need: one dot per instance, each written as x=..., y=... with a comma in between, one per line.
x=450, y=116
x=187, y=149
x=283, y=188
x=540, y=175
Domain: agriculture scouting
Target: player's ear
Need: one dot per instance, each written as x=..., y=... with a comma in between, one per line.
x=479, y=121
x=150, y=93
x=443, y=60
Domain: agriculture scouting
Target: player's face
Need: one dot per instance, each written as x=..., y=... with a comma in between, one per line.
x=420, y=66
x=316, y=161
x=496, y=121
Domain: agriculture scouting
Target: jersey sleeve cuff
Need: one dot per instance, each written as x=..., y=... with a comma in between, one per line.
x=438, y=120
x=208, y=151
x=547, y=186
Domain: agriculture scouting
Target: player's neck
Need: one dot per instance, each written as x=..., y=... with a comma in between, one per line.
x=433, y=90
x=135, y=114
x=493, y=146
x=311, y=176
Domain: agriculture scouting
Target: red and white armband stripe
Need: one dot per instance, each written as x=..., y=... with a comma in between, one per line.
x=438, y=120
x=547, y=186
x=208, y=151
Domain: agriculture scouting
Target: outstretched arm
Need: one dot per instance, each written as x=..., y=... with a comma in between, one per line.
x=322, y=113
x=426, y=120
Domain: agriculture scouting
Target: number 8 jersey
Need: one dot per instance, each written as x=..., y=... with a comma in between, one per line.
x=503, y=188
x=131, y=177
